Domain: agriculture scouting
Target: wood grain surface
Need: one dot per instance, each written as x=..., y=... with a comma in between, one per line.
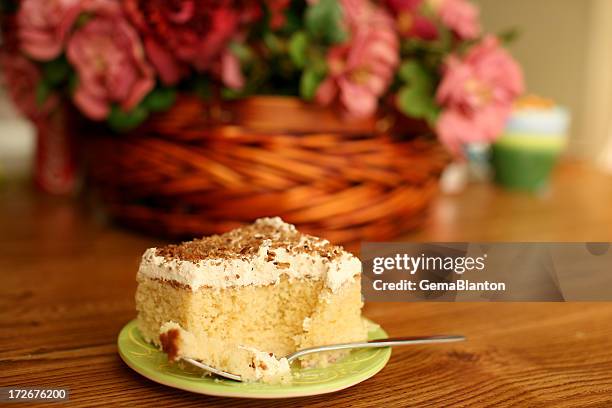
x=68, y=284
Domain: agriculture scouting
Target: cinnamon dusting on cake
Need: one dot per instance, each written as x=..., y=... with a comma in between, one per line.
x=245, y=242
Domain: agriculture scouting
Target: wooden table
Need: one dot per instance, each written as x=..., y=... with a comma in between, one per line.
x=68, y=283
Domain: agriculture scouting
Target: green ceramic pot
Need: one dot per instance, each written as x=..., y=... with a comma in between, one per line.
x=525, y=162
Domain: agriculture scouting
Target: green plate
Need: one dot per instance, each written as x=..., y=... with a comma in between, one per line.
x=148, y=361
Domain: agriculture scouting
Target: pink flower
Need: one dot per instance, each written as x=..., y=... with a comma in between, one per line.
x=109, y=60
x=476, y=94
x=455, y=128
x=461, y=16
x=409, y=20
x=43, y=26
x=231, y=74
x=360, y=71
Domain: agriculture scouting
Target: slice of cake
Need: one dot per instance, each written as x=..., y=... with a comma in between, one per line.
x=242, y=300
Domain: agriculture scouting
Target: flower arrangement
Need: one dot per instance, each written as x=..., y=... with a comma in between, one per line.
x=120, y=61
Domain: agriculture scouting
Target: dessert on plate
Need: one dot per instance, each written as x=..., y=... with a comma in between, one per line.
x=242, y=300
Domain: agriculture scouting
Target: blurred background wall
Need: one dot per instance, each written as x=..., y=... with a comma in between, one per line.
x=565, y=48
x=17, y=139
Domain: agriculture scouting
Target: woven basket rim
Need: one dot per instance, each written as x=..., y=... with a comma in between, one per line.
x=188, y=172
x=277, y=114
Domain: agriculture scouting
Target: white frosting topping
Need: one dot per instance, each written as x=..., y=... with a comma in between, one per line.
x=257, y=269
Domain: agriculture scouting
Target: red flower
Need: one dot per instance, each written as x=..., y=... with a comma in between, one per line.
x=410, y=21
x=277, y=12
x=182, y=33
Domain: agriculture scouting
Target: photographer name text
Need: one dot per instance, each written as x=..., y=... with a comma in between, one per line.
x=427, y=285
x=410, y=265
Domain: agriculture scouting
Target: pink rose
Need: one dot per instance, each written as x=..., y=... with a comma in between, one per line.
x=360, y=71
x=476, y=94
x=43, y=26
x=461, y=16
x=109, y=60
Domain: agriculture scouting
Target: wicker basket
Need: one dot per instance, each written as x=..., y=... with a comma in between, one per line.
x=201, y=169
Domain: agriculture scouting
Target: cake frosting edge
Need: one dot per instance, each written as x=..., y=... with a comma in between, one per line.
x=258, y=269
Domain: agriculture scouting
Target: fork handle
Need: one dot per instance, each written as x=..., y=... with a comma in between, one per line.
x=394, y=341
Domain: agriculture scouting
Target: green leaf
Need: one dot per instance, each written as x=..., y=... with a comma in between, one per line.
x=298, y=44
x=242, y=51
x=202, y=87
x=228, y=93
x=417, y=103
x=309, y=82
x=416, y=75
x=273, y=43
x=416, y=97
x=8, y=6
x=43, y=91
x=73, y=82
x=509, y=36
x=123, y=121
x=83, y=19
x=160, y=99
x=323, y=20
x=56, y=71
x=432, y=117
x=293, y=20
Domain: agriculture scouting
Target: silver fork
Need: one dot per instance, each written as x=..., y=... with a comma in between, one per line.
x=396, y=341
